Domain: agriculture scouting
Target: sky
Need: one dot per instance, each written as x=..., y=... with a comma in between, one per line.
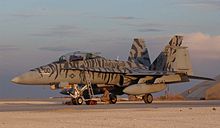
x=37, y=32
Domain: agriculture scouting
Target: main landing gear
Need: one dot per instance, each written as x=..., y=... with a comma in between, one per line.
x=108, y=98
x=148, y=98
x=112, y=99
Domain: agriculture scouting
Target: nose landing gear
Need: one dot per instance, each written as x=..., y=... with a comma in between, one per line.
x=77, y=101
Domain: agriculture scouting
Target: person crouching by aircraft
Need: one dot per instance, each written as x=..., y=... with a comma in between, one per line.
x=105, y=98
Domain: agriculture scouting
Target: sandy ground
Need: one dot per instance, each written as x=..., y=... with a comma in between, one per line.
x=195, y=117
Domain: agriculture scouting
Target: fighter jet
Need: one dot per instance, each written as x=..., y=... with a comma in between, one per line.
x=83, y=75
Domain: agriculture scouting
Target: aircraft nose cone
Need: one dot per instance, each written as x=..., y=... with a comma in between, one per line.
x=25, y=78
x=30, y=78
x=15, y=80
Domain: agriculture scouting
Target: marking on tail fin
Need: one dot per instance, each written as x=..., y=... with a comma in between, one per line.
x=176, y=41
x=173, y=58
x=139, y=53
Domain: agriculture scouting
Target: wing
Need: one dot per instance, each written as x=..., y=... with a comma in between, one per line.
x=160, y=76
x=149, y=73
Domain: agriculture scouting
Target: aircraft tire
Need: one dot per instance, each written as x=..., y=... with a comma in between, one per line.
x=79, y=100
x=113, y=99
x=148, y=98
x=73, y=100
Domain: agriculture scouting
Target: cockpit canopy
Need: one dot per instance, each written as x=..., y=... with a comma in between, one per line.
x=76, y=56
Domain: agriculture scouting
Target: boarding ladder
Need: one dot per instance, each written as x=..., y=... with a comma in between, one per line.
x=90, y=89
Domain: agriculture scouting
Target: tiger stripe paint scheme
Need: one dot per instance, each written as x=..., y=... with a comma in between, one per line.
x=135, y=76
x=139, y=53
x=101, y=71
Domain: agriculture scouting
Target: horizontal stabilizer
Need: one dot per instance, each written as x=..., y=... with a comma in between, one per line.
x=201, y=78
x=150, y=73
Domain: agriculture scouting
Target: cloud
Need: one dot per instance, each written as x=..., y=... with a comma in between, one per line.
x=160, y=26
x=149, y=30
x=144, y=24
x=56, y=49
x=30, y=13
x=61, y=31
x=124, y=18
x=8, y=48
x=147, y=27
x=25, y=15
x=203, y=45
x=204, y=4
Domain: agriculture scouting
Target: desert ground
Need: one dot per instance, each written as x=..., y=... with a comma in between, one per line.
x=160, y=114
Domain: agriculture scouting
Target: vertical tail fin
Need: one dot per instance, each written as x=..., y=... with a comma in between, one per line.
x=139, y=53
x=173, y=58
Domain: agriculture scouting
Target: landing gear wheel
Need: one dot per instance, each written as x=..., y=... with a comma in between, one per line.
x=73, y=100
x=77, y=101
x=113, y=99
x=148, y=98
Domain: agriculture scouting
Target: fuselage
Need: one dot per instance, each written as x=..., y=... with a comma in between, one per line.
x=57, y=72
